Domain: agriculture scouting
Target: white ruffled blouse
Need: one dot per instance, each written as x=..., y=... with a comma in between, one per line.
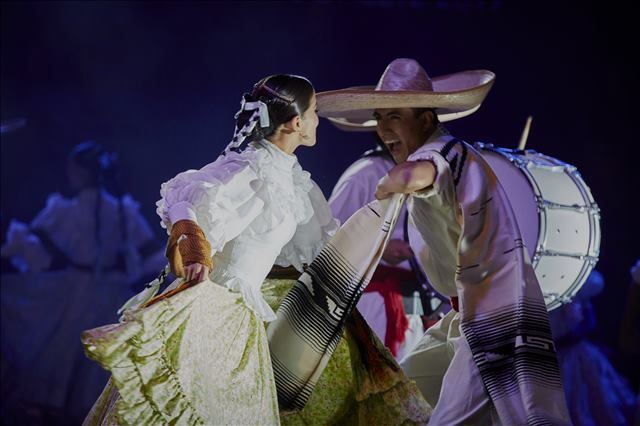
x=257, y=208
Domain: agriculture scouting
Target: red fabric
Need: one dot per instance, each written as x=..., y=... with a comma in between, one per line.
x=454, y=303
x=387, y=281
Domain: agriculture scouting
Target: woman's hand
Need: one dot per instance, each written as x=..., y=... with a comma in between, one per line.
x=188, y=246
x=196, y=273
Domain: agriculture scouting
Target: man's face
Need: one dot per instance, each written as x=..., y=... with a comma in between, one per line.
x=401, y=131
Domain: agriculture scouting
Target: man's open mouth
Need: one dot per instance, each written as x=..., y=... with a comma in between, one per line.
x=393, y=145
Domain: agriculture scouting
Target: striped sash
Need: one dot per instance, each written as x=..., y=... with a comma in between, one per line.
x=312, y=316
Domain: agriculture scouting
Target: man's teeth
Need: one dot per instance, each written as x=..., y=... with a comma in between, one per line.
x=392, y=144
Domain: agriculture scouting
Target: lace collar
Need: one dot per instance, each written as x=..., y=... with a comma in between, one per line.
x=279, y=158
x=270, y=162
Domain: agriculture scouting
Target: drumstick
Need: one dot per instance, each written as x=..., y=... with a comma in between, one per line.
x=525, y=133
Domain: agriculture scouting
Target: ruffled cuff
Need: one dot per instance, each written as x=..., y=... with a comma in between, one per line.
x=182, y=211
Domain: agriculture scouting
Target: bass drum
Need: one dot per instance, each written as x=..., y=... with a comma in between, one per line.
x=557, y=216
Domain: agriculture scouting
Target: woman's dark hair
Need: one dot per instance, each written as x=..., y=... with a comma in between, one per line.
x=285, y=96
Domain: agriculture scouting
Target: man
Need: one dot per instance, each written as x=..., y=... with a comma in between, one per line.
x=390, y=303
x=493, y=361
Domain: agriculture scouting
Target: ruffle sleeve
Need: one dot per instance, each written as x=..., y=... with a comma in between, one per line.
x=54, y=214
x=24, y=247
x=312, y=235
x=222, y=198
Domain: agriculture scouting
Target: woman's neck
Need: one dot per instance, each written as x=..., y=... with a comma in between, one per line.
x=286, y=142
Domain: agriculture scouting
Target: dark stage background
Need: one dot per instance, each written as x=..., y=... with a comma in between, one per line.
x=159, y=82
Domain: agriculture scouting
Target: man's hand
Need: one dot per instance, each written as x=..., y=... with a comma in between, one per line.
x=384, y=190
x=196, y=273
x=397, y=251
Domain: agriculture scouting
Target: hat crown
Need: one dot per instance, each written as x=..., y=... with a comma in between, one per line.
x=404, y=74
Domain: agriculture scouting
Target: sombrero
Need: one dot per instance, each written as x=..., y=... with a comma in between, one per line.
x=405, y=84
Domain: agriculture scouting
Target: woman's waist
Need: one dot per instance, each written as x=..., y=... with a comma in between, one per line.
x=249, y=271
x=229, y=278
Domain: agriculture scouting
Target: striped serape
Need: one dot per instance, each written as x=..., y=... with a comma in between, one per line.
x=311, y=318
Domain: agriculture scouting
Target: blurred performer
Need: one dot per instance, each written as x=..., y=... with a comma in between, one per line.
x=76, y=262
x=396, y=280
x=629, y=337
x=587, y=374
x=491, y=360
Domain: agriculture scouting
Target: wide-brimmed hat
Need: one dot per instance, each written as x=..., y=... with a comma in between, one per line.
x=405, y=84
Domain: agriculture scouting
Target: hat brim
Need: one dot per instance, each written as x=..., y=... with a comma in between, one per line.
x=454, y=96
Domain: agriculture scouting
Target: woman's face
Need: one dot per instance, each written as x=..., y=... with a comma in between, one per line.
x=310, y=122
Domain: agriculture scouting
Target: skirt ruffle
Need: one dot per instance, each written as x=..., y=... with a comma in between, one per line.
x=178, y=361
x=198, y=358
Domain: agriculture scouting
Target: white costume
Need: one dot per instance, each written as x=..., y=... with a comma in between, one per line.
x=205, y=349
x=355, y=188
x=494, y=361
x=59, y=293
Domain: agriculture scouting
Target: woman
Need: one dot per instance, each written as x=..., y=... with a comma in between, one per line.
x=91, y=246
x=198, y=353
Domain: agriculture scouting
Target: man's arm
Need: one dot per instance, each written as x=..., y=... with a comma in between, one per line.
x=406, y=178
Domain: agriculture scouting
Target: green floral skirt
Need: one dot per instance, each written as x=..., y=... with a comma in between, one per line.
x=361, y=385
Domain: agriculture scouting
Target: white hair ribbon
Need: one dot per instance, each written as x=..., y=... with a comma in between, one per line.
x=260, y=106
x=261, y=112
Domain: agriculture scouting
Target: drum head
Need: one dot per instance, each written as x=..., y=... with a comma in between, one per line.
x=557, y=217
x=520, y=195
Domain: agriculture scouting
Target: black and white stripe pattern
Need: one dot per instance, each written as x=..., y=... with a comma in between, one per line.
x=311, y=318
x=513, y=349
x=260, y=113
x=317, y=304
x=292, y=391
x=455, y=157
x=239, y=135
